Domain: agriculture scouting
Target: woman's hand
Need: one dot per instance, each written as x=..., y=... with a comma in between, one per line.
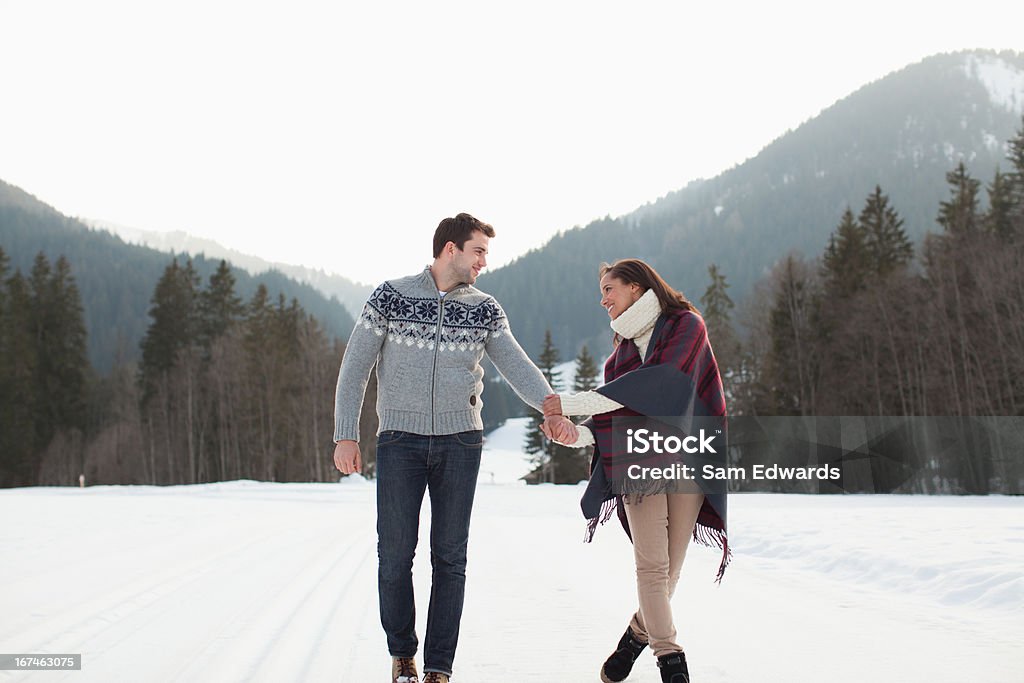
x=552, y=405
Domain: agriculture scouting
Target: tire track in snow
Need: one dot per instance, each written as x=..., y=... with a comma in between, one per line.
x=278, y=646
x=333, y=619
x=110, y=601
x=107, y=621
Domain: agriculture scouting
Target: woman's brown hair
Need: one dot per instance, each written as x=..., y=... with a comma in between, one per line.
x=635, y=271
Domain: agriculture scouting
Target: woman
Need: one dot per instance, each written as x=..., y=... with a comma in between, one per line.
x=662, y=365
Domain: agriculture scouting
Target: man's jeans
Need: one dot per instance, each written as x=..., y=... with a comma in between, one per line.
x=408, y=464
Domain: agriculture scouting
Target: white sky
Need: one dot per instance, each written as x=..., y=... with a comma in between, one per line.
x=338, y=134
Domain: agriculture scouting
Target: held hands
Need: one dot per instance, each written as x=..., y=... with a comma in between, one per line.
x=556, y=426
x=552, y=405
x=560, y=428
x=346, y=457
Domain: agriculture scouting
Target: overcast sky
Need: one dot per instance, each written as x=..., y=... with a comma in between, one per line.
x=337, y=134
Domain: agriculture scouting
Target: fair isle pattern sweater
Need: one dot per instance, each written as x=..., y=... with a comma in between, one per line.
x=428, y=349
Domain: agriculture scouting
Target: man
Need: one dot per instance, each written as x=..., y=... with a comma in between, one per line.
x=427, y=334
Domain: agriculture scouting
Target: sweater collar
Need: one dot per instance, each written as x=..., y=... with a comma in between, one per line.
x=428, y=280
x=638, y=318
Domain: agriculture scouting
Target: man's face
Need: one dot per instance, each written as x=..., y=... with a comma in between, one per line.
x=471, y=259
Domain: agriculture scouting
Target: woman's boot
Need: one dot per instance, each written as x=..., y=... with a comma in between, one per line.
x=618, y=666
x=673, y=668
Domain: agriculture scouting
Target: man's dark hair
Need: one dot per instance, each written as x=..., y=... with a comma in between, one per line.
x=458, y=230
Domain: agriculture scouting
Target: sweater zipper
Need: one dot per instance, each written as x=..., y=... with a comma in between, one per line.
x=433, y=370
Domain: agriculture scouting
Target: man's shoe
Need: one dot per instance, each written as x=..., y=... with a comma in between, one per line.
x=673, y=668
x=618, y=666
x=435, y=677
x=403, y=670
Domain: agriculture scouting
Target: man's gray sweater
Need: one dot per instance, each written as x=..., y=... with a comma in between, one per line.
x=427, y=348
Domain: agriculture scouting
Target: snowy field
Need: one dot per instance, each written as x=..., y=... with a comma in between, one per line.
x=247, y=581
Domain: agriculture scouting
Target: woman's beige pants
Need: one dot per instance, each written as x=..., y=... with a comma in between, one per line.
x=661, y=526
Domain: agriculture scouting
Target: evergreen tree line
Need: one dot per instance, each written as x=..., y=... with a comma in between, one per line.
x=225, y=389
x=115, y=279
x=229, y=389
x=44, y=373
x=865, y=329
x=233, y=390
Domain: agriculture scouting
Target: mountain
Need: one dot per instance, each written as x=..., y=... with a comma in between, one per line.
x=116, y=280
x=352, y=295
x=903, y=132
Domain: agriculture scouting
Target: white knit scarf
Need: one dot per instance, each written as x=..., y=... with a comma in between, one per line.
x=638, y=320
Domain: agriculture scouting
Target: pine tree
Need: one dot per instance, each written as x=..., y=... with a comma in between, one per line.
x=586, y=371
x=999, y=217
x=845, y=263
x=68, y=360
x=62, y=372
x=288, y=320
x=174, y=324
x=39, y=282
x=43, y=364
x=793, y=363
x=717, y=307
x=959, y=215
x=7, y=425
x=41, y=315
x=18, y=422
x=572, y=465
x=270, y=349
x=219, y=306
x=4, y=355
x=549, y=358
x=1016, y=151
x=4, y=264
x=536, y=444
x=259, y=317
x=716, y=303
x=1015, y=180
x=887, y=244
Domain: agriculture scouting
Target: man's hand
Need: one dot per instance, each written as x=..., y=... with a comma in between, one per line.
x=560, y=428
x=347, y=458
x=552, y=405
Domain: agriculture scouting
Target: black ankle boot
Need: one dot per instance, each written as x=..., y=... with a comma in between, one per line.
x=673, y=668
x=618, y=666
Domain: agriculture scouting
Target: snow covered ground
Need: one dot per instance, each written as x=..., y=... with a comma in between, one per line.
x=503, y=460
x=247, y=581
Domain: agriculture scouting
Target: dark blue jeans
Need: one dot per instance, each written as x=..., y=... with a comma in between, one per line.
x=407, y=465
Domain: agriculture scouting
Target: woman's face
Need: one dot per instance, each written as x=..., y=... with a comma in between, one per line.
x=617, y=296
